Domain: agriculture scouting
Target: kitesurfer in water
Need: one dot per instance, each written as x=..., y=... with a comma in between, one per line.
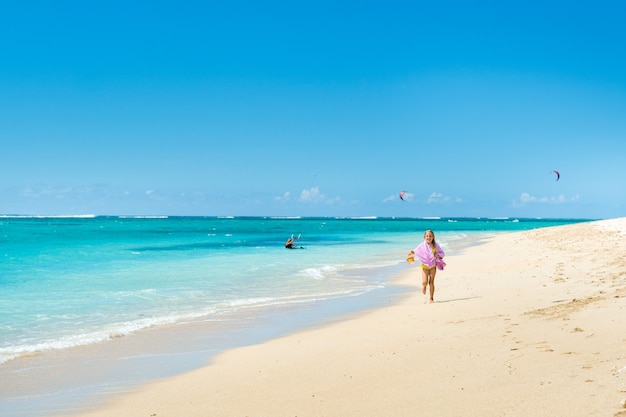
x=291, y=243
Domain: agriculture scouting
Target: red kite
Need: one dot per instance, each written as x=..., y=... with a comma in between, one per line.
x=558, y=176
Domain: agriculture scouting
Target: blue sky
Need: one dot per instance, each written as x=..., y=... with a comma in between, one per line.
x=313, y=108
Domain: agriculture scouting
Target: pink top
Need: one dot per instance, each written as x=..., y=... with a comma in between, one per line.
x=425, y=254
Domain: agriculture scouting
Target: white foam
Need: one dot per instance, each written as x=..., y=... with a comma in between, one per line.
x=318, y=273
x=61, y=216
x=109, y=332
x=143, y=217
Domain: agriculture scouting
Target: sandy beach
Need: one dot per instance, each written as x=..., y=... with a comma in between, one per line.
x=527, y=324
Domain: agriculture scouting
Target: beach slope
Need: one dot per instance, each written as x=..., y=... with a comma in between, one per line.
x=527, y=324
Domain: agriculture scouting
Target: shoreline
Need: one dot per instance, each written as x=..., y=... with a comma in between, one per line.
x=54, y=382
x=527, y=323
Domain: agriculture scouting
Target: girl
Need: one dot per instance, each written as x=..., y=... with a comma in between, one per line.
x=431, y=256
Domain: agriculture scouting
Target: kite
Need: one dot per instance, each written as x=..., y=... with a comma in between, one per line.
x=402, y=195
x=558, y=176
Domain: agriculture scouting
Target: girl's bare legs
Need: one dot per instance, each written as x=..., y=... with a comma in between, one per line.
x=428, y=279
x=431, y=281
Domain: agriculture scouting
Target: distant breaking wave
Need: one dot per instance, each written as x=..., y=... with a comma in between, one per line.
x=144, y=217
x=41, y=216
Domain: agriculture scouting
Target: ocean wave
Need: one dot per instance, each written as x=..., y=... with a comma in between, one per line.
x=60, y=216
x=122, y=329
x=82, y=339
x=319, y=272
x=259, y=302
x=256, y=301
x=143, y=217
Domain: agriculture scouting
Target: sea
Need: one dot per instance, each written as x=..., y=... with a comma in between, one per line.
x=71, y=286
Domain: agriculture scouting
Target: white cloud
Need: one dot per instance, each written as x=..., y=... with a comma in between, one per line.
x=308, y=196
x=50, y=191
x=284, y=197
x=440, y=198
x=526, y=198
x=312, y=195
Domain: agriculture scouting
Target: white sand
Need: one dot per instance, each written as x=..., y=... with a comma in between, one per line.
x=529, y=324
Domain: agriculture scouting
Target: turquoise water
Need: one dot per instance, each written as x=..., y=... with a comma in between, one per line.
x=75, y=281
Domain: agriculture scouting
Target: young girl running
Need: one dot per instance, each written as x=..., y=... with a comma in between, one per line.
x=430, y=255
